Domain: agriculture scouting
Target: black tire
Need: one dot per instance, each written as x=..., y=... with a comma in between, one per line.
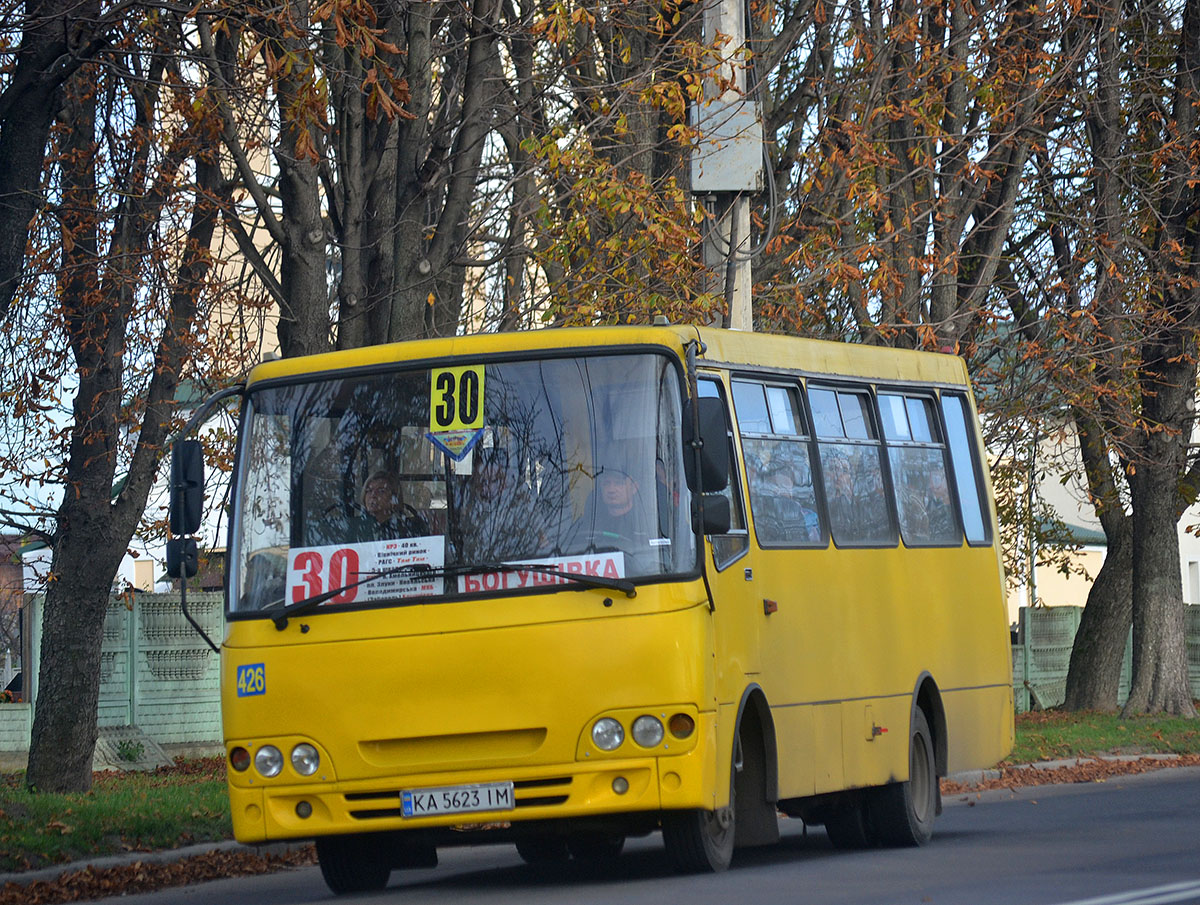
x=902, y=813
x=595, y=846
x=700, y=841
x=849, y=829
x=353, y=863
x=543, y=849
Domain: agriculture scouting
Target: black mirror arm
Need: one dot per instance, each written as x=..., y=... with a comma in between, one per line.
x=202, y=411
x=697, y=443
x=193, y=422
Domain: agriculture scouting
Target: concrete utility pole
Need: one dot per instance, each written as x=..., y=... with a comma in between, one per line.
x=727, y=163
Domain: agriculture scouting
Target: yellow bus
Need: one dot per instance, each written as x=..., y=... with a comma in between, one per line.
x=562, y=587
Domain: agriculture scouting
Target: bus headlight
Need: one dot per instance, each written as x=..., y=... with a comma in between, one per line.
x=608, y=734
x=268, y=760
x=305, y=759
x=647, y=731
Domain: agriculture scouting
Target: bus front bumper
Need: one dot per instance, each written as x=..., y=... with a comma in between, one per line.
x=262, y=811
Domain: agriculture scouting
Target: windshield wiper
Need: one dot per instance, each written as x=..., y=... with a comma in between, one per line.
x=280, y=611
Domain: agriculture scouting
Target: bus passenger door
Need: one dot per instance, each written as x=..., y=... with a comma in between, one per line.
x=790, y=546
x=730, y=565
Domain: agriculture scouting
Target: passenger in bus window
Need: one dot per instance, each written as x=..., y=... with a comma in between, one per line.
x=496, y=512
x=858, y=513
x=325, y=513
x=385, y=515
x=787, y=511
x=938, y=508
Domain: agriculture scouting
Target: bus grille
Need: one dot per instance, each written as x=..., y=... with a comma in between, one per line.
x=528, y=793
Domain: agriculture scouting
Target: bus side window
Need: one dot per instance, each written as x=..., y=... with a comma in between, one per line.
x=728, y=547
x=966, y=470
x=852, y=468
x=779, y=471
x=919, y=480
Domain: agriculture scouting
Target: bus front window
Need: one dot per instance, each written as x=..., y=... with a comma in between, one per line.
x=436, y=482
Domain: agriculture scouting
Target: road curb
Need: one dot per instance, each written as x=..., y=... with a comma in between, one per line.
x=971, y=777
x=166, y=856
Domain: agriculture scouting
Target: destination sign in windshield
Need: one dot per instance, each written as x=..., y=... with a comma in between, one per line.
x=600, y=565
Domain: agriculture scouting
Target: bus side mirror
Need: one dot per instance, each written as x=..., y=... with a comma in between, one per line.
x=716, y=514
x=187, y=487
x=183, y=559
x=709, y=414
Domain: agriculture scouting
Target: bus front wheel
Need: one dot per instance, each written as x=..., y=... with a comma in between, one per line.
x=353, y=863
x=543, y=849
x=595, y=846
x=700, y=841
x=901, y=814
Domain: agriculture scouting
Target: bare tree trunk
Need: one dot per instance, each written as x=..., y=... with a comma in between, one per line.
x=1160, y=676
x=64, y=728
x=304, y=308
x=92, y=529
x=57, y=33
x=1094, y=676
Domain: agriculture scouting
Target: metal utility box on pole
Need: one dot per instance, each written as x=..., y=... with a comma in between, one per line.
x=726, y=161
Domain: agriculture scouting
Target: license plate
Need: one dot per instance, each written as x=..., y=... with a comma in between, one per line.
x=488, y=796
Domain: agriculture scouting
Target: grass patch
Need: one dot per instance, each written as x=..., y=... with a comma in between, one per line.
x=168, y=808
x=1054, y=734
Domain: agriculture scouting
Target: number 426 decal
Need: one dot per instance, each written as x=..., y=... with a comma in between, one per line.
x=251, y=679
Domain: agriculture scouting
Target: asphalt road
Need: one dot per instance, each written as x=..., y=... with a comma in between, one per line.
x=1129, y=841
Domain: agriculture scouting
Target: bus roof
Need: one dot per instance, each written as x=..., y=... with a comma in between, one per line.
x=724, y=347
x=837, y=359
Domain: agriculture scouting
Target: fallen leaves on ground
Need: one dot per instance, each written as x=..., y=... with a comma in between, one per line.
x=1080, y=771
x=145, y=876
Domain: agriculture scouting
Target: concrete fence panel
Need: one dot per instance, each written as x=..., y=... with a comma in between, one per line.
x=1042, y=655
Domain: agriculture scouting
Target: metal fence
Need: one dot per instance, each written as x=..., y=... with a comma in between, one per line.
x=1042, y=655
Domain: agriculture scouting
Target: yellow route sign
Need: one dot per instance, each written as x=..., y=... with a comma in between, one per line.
x=456, y=399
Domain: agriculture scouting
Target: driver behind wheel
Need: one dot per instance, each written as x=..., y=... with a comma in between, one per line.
x=618, y=518
x=386, y=515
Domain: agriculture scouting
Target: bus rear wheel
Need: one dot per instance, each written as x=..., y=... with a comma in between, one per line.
x=353, y=863
x=901, y=814
x=848, y=828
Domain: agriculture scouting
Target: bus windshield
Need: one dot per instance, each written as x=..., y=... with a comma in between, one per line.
x=407, y=485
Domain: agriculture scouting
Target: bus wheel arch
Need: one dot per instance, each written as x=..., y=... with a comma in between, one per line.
x=756, y=774
x=928, y=698
x=902, y=813
x=699, y=841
